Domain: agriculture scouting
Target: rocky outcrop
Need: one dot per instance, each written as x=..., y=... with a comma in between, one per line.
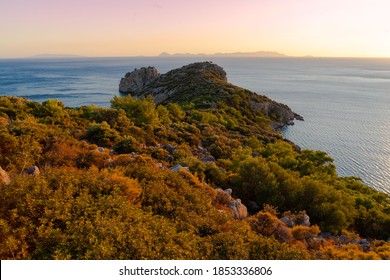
x=229, y=191
x=182, y=82
x=208, y=159
x=204, y=84
x=238, y=209
x=281, y=113
x=178, y=167
x=33, y=170
x=135, y=81
x=170, y=148
x=4, y=178
x=364, y=244
x=296, y=220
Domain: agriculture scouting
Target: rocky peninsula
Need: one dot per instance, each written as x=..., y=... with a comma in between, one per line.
x=204, y=82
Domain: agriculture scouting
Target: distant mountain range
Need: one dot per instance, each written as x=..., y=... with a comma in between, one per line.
x=54, y=56
x=235, y=54
x=165, y=54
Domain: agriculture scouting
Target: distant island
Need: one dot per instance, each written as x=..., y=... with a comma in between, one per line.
x=166, y=54
x=234, y=54
x=45, y=55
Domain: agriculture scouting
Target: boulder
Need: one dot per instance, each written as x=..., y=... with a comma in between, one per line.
x=135, y=81
x=33, y=170
x=178, y=167
x=208, y=159
x=306, y=221
x=364, y=244
x=296, y=220
x=223, y=197
x=4, y=178
x=228, y=191
x=288, y=220
x=170, y=148
x=239, y=210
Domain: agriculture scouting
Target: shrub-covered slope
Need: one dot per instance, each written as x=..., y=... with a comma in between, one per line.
x=142, y=180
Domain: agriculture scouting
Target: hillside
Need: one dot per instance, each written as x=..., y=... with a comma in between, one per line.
x=186, y=166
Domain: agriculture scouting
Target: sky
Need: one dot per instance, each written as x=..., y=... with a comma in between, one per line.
x=326, y=28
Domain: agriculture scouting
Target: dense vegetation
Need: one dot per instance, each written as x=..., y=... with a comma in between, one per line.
x=105, y=190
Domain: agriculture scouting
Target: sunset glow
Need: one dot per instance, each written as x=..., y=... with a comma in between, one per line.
x=347, y=28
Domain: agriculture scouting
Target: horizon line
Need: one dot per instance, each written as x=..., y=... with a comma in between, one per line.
x=218, y=55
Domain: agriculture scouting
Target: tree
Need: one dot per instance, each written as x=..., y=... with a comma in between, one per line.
x=102, y=134
x=256, y=182
x=140, y=111
x=176, y=113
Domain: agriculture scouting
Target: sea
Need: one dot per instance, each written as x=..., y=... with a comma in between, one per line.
x=345, y=102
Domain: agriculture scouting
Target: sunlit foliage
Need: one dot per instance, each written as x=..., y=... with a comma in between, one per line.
x=105, y=190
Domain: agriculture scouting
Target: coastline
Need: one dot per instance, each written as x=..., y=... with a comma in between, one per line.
x=303, y=84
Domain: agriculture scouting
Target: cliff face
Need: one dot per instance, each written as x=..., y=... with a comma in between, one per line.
x=204, y=84
x=278, y=111
x=184, y=83
x=135, y=81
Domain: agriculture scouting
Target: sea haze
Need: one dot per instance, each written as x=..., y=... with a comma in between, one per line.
x=345, y=102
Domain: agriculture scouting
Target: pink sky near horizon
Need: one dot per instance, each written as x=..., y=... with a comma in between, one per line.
x=348, y=28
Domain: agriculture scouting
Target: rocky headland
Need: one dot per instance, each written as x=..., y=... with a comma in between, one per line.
x=205, y=84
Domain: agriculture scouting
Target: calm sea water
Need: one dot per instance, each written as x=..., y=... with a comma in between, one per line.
x=345, y=102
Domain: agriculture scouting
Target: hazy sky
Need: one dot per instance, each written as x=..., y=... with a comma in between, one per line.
x=149, y=27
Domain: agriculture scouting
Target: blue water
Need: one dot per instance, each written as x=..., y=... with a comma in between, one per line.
x=345, y=102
